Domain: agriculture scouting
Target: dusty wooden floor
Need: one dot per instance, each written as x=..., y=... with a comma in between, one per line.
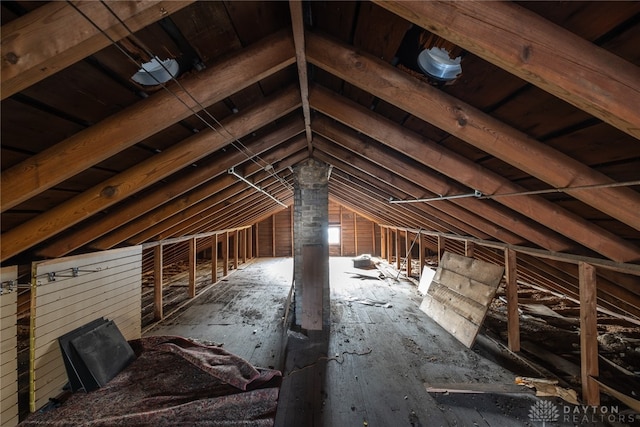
x=370, y=369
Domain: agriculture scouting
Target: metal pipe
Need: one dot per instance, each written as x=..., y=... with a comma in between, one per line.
x=233, y=172
x=435, y=199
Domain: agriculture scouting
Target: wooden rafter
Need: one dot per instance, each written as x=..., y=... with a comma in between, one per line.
x=484, y=132
x=124, y=214
x=546, y=55
x=143, y=119
x=142, y=175
x=301, y=60
x=54, y=36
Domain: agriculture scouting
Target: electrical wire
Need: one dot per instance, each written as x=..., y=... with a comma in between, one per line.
x=245, y=150
x=267, y=167
x=478, y=195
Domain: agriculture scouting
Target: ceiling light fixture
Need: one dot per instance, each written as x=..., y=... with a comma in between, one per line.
x=437, y=63
x=156, y=72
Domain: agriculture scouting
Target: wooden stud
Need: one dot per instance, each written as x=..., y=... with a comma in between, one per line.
x=214, y=258
x=225, y=254
x=250, y=242
x=157, y=282
x=274, y=240
x=442, y=246
x=588, y=333
x=192, y=267
x=257, y=239
x=389, y=243
x=373, y=238
x=236, y=242
x=398, y=250
x=422, y=248
x=513, y=320
x=469, y=248
x=355, y=232
x=243, y=245
x=341, y=233
x=407, y=244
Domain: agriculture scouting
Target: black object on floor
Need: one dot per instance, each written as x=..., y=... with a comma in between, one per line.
x=94, y=353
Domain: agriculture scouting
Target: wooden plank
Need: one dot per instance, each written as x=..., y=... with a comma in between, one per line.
x=460, y=293
x=588, y=334
x=456, y=325
x=513, y=320
x=313, y=276
x=466, y=307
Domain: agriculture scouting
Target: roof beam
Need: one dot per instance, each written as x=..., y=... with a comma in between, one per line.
x=520, y=225
x=171, y=213
x=118, y=218
x=54, y=36
x=143, y=174
x=297, y=23
x=479, y=130
x=143, y=119
x=546, y=55
x=388, y=184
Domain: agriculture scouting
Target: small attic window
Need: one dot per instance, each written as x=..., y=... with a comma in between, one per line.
x=156, y=71
x=334, y=235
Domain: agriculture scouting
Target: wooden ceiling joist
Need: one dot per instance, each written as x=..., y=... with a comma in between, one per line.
x=143, y=119
x=144, y=174
x=484, y=132
x=548, y=56
x=56, y=35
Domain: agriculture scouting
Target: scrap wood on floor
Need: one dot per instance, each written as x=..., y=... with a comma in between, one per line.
x=174, y=381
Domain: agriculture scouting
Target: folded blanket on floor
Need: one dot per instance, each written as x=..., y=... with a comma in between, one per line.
x=172, y=382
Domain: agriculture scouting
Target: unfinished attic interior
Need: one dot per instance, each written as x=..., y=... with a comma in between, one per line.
x=373, y=213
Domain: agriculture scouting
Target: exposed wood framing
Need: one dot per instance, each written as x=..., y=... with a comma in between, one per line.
x=214, y=258
x=468, y=248
x=513, y=320
x=192, y=267
x=236, y=248
x=225, y=253
x=545, y=55
x=118, y=218
x=157, y=282
x=295, y=6
x=588, y=334
x=486, y=133
x=142, y=175
x=143, y=119
x=54, y=36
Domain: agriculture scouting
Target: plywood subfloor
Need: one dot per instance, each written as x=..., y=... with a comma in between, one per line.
x=370, y=367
